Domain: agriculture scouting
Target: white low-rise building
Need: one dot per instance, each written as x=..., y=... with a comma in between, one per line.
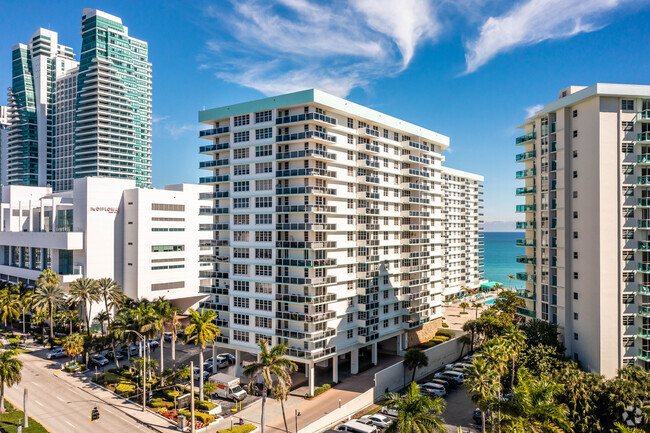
x=148, y=240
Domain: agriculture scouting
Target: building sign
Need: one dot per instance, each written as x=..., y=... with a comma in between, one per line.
x=105, y=209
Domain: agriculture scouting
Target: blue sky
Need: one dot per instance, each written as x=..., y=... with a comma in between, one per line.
x=469, y=69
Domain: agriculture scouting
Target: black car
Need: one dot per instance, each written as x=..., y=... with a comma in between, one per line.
x=476, y=416
x=109, y=355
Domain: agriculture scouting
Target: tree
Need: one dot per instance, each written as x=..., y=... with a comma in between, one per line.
x=10, y=373
x=73, y=345
x=534, y=406
x=540, y=332
x=163, y=312
x=282, y=394
x=9, y=306
x=476, y=306
x=84, y=291
x=210, y=388
x=112, y=295
x=496, y=353
x=175, y=325
x=48, y=277
x=472, y=327
x=511, y=277
x=515, y=341
x=26, y=304
x=416, y=413
x=103, y=318
x=271, y=363
x=49, y=296
x=203, y=331
x=464, y=305
x=482, y=381
x=414, y=359
x=466, y=341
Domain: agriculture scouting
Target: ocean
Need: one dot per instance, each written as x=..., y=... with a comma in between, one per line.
x=500, y=254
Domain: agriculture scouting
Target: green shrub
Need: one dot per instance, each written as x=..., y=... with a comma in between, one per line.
x=205, y=405
x=171, y=394
x=205, y=418
x=321, y=389
x=125, y=388
x=109, y=378
x=14, y=341
x=162, y=410
x=429, y=344
x=444, y=325
x=445, y=333
x=246, y=428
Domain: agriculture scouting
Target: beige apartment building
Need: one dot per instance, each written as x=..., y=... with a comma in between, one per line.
x=586, y=217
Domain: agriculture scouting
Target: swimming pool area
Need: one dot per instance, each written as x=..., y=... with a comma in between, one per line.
x=490, y=301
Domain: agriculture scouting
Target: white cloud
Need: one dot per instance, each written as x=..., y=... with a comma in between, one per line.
x=530, y=111
x=279, y=46
x=534, y=21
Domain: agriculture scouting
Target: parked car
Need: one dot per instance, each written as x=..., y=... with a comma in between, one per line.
x=448, y=385
x=476, y=416
x=388, y=411
x=118, y=355
x=56, y=353
x=432, y=385
x=98, y=360
x=355, y=426
x=451, y=375
x=433, y=392
x=153, y=343
x=197, y=374
x=168, y=337
x=131, y=350
x=378, y=420
x=227, y=358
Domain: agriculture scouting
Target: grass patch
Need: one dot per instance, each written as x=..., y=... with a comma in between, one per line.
x=10, y=421
x=246, y=428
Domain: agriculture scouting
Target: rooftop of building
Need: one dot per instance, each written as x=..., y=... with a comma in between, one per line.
x=460, y=173
x=326, y=99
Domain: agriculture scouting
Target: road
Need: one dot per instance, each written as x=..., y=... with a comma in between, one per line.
x=63, y=407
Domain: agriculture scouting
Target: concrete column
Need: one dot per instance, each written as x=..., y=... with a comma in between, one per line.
x=354, y=361
x=374, y=353
x=214, y=358
x=238, y=368
x=310, y=369
x=335, y=369
x=399, y=349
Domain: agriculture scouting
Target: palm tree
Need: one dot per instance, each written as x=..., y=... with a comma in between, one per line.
x=282, y=394
x=466, y=341
x=414, y=359
x=10, y=373
x=26, y=303
x=416, y=413
x=203, y=331
x=464, y=305
x=472, y=327
x=164, y=312
x=70, y=317
x=534, y=406
x=175, y=324
x=209, y=388
x=497, y=354
x=271, y=363
x=84, y=291
x=515, y=339
x=102, y=318
x=50, y=296
x=48, y=276
x=73, y=345
x=9, y=306
x=476, y=306
x=112, y=295
x=482, y=381
x=510, y=278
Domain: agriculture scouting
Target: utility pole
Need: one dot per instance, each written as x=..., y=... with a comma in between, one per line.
x=193, y=425
x=25, y=408
x=144, y=377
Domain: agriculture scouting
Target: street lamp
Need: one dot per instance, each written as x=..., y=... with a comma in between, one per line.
x=144, y=368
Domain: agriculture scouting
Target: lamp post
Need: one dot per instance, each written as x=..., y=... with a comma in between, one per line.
x=144, y=368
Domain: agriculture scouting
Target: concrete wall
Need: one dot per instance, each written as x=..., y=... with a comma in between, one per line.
x=341, y=414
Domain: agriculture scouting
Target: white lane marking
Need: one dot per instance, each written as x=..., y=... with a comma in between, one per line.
x=69, y=423
x=60, y=399
x=39, y=403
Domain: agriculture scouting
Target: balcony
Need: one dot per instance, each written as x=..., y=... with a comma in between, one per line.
x=643, y=180
x=644, y=355
x=643, y=137
x=305, y=190
x=643, y=268
x=526, y=260
x=310, y=318
x=525, y=294
x=368, y=131
x=523, y=174
x=302, y=208
x=305, y=117
x=644, y=311
x=214, y=306
x=525, y=242
x=305, y=245
x=214, y=147
x=643, y=224
x=302, y=299
x=523, y=276
x=213, y=195
x=305, y=336
x=214, y=131
x=305, y=172
x=311, y=153
x=526, y=208
x=526, y=312
x=214, y=211
x=300, y=263
x=525, y=156
x=304, y=226
x=642, y=116
x=644, y=245
x=526, y=190
x=368, y=195
x=525, y=138
x=316, y=354
x=305, y=136
x=525, y=225
x=643, y=159
x=302, y=281
x=214, y=179
x=644, y=202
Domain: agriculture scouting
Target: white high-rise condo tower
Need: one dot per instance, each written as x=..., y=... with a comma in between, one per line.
x=328, y=229
x=586, y=218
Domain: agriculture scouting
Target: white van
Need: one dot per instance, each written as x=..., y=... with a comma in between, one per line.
x=355, y=426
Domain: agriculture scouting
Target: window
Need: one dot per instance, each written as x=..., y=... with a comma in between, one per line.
x=263, y=305
x=575, y=335
x=628, y=298
x=575, y=254
x=240, y=203
x=627, y=104
x=575, y=133
x=628, y=320
x=240, y=253
x=628, y=341
x=575, y=235
x=263, y=253
x=241, y=170
x=263, y=236
x=575, y=194
x=241, y=319
x=628, y=277
x=627, y=126
x=263, y=116
x=575, y=214
x=241, y=186
x=575, y=275
x=166, y=248
x=242, y=136
x=240, y=335
x=240, y=236
x=575, y=153
x=575, y=295
x=628, y=234
x=264, y=270
x=240, y=302
x=241, y=219
x=350, y=122
x=168, y=207
x=263, y=167
x=240, y=269
x=263, y=288
x=240, y=286
x=240, y=153
x=265, y=150
x=575, y=316
x=575, y=174
x=242, y=120
x=264, y=218
x=263, y=322
x=627, y=147
x=350, y=333
x=575, y=113
x=263, y=185
x=263, y=202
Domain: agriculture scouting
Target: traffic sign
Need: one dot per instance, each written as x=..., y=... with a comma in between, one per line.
x=94, y=415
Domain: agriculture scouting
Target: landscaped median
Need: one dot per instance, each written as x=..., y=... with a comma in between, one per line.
x=246, y=428
x=13, y=417
x=320, y=390
x=441, y=336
